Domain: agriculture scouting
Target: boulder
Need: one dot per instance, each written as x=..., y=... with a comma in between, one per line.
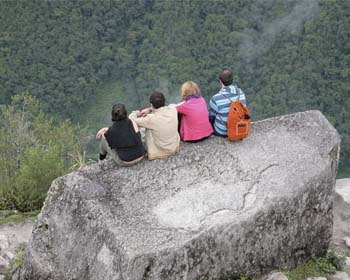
x=341, y=228
x=339, y=275
x=218, y=209
x=278, y=276
x=343, y=189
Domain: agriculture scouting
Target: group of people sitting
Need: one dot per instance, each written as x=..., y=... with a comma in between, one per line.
x=162, y=124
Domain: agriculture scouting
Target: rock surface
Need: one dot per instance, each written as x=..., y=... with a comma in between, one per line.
x=217, y=209
x=277, y=276
x=11, y=236
x=339, y=275
x=341, y=229
x=343, y=189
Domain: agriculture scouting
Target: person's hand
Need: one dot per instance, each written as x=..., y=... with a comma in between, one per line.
x=144, y=112
x=139, y=114
x=101, y=133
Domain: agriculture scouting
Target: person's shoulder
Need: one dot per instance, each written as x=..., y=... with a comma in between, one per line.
x=216, y=95
x=170, y=107
x=165, y=109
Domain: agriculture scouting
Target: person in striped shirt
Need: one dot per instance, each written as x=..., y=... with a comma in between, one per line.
x=219, y=104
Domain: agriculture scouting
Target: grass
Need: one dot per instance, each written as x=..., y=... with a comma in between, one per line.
x=16, y=217
x=314, y=267
x=317, y=267
x=16, y=263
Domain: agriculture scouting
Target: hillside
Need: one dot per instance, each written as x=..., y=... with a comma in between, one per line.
x=287, y=56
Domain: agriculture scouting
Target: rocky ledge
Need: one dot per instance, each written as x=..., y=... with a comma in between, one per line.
x=216, y=209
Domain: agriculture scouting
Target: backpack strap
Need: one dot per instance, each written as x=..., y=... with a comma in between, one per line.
x=238, y=91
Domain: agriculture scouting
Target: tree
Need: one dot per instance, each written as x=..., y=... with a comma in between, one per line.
x=34, y=150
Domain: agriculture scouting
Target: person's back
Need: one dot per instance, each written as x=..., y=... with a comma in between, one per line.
x=162, y=138
x=195, y=124
x=219, y=105
x=121, y=137
x=122, y=140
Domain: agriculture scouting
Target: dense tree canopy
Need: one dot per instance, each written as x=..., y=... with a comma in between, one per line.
x=287, y=55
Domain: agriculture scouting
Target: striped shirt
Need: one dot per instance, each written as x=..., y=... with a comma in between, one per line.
x=219, y=106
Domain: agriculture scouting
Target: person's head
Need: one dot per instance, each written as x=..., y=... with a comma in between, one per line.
x=189, y=88
x=157, y=99
x=226, y=77
x=118, y=112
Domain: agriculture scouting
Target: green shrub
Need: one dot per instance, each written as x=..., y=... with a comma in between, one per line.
x=317, y=267
x=34, y=150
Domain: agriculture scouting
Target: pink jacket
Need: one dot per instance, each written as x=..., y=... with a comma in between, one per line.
x=195, y=119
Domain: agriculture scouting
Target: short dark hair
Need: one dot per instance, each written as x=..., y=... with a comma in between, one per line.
x=226, y=76
x=157, y=99
x=118, y=112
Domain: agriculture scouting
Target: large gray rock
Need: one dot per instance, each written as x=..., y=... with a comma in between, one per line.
x=343, y=189
x=341, y=229
x=217, y=209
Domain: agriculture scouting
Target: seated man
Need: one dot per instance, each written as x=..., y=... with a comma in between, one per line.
x=219, y=104
x=122, y=140
x=160, y=121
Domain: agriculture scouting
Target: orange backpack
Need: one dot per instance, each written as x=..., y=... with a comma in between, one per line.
x=238, y=120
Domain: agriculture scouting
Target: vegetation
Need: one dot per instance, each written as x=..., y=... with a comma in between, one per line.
x=317, y=267
x=16, y=263
x=7, y=216
x=79, y=57
x=34, y=149
x=288, y=56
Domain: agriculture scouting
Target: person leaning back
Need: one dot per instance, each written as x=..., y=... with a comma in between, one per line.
x=219, y=104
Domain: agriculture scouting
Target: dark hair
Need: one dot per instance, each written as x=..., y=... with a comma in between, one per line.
x=157, y=99
x=118, y=112
x=226, y=76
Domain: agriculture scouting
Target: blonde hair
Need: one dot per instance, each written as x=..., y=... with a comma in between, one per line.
x=189, y=88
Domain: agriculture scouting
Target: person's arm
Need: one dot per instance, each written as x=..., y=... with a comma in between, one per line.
x=181, y=108
x=213, y=108
x=146, y=121
x=242, y=98
x=136, y=127
x=101, y=133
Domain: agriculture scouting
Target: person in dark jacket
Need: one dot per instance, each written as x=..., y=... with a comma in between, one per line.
x=122, y=140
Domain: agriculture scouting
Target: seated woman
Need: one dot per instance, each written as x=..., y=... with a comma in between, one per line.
x=195, y=125
x=122, y=140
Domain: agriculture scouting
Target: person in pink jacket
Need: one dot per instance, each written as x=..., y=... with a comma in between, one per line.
x=195, y=125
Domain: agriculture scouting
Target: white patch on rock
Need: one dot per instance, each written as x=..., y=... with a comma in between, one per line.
x=4, y=243
x=4, y=265
x=277, y=276
x=339, y=275
x=347, y=241
x=207, y=203
x=105, y=256
x=342, y=187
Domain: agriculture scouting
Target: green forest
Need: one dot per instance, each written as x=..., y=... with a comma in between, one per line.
x=64, y=63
